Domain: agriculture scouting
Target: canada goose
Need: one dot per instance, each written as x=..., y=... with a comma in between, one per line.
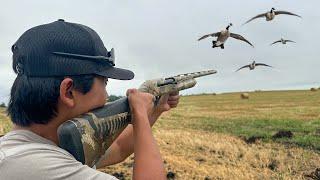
x=271, y=14
x=283, y=41
x=253, y=65
x=223, y=36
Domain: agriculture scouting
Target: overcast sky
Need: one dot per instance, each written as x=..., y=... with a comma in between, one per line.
x=159, y=39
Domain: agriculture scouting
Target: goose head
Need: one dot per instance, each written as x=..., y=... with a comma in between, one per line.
x=272, y=9
x=227, y=28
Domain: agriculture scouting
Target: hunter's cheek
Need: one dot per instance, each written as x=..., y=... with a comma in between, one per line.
x=102, y=99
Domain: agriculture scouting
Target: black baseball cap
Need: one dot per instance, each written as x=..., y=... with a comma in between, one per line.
x=64, y=49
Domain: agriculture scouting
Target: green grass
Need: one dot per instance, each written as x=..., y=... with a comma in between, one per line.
x=264, y=114
x=305, y=134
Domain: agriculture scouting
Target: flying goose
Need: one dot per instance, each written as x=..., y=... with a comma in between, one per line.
x=283, y=41
x=253, y=65
x=270, y=15
x=223, y=36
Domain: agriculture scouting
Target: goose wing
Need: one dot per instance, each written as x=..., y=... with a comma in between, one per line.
x=239, y=37
x=286, y=12
x=290, y=41
x=275, y=42
x=246, y=66
x=257, y=16
x=262, y=64
x=208, y=35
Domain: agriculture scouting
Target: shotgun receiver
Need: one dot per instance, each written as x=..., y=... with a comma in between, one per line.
x=89, y=136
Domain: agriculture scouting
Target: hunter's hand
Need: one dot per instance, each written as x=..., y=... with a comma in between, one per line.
x=167, y=102
x=140, y=103
x=148, y=163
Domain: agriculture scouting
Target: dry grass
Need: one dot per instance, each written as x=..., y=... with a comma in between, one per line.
x=193, y=150
x=5, y=123
x=300, y=105
x=203, y=154
x=197, y=154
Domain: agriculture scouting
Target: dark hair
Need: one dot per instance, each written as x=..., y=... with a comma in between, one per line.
x=34, y=99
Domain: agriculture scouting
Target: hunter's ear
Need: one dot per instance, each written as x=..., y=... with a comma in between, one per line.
x=66, y=95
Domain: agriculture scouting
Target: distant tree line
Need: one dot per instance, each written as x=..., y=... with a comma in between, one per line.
x=3, y=105
x=114, y=97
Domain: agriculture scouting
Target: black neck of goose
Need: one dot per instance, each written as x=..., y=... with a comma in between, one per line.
x=227, y=28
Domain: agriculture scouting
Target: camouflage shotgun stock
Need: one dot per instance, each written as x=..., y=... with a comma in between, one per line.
x=89, y=136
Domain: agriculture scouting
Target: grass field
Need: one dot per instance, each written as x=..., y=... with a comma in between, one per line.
x=226, y=137
x=5, y=123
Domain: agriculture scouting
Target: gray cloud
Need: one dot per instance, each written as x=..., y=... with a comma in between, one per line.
x=159, y=38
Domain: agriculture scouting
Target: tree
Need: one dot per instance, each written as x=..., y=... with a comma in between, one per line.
x=3, y=105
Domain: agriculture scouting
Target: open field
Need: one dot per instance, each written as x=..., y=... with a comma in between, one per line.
x=226, y=137
x=5, y=123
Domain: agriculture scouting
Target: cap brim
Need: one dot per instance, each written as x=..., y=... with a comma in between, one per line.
x=117, y=73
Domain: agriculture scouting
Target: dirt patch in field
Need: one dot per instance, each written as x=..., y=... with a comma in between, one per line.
x=252, y=139
x=283, y=134
x=313, y=174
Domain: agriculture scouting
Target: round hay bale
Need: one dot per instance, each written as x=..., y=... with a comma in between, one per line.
x=214, y=94
x=244, y=96
x=313, y=89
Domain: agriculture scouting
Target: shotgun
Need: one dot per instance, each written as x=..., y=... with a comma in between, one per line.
x=89, y=136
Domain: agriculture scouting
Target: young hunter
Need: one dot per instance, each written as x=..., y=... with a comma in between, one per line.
x=62, y=71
